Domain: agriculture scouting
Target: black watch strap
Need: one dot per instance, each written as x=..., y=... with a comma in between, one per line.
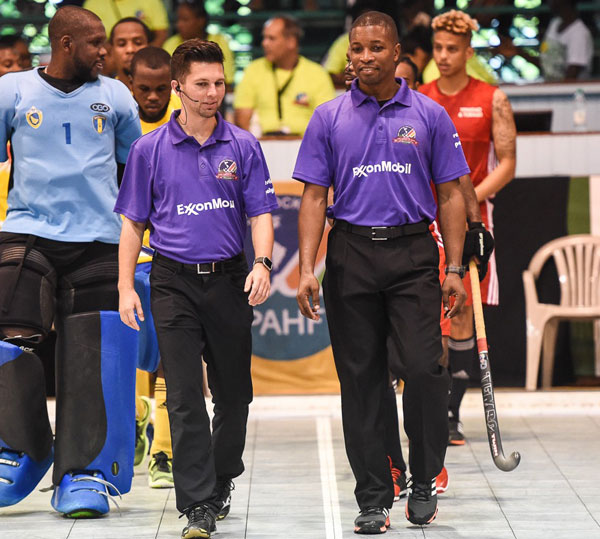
x=459, y=270
x=265, y=261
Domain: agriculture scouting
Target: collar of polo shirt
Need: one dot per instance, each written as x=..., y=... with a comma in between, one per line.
x=402, y=95
x=178, y=135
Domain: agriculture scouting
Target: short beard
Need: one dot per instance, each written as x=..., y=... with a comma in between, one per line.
x=83, y=72
x=150, y=119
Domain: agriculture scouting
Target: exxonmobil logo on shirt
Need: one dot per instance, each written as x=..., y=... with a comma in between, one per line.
x=195, y=208
x=384, y=166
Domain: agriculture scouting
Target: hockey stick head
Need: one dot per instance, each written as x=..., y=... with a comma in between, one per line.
x=508, y=464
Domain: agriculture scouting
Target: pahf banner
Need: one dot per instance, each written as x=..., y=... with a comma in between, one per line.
x=292, y=355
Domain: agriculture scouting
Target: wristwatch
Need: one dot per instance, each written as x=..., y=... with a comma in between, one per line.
x=459, y=270
x=265, y=261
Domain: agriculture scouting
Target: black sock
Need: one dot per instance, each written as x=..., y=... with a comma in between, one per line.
x=460, y=358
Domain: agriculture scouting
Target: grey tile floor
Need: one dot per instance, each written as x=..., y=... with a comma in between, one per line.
x=298, y=483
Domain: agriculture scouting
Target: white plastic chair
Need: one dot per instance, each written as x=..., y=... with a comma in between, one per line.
x=577, y=260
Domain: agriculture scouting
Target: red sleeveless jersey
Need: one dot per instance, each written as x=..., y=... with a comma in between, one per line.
x=471, y=112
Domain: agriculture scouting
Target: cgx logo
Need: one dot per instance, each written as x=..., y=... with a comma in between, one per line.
x=384, y=166
x=195, y=207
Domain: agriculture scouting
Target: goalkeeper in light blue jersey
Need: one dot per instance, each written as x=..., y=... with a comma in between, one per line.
x=69, y=130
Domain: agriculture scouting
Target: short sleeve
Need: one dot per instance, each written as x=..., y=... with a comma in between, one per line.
x=158, y=20
x=447, y=158
x=134, y=200
x=314, y=163
x=259, y=195
x=245, y=91
x=325, y=90
x=128, y=127
x=8, y=97
x=335, y=59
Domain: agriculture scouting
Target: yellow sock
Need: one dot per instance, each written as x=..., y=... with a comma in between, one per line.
x=162, y=431
x=142, y=389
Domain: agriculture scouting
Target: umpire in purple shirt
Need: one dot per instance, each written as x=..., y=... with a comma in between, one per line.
x=380, y=145
x=194, y=181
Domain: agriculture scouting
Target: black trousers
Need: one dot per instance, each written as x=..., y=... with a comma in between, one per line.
x=204, y=316
x=373, y=289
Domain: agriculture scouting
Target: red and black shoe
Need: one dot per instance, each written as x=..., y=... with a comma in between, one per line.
x=455, y=433
x=421, y=507
x=372, y=520
x=399, y=480
x=441, y=481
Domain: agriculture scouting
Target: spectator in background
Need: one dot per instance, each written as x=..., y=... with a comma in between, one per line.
x=128, y=36
x=9, y=62
x=22, y=49
x=9, y=59
x=567, y=49
x=191, y=23
x=283, y=87
x=151, y=12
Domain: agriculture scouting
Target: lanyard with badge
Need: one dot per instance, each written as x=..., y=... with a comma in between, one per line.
x=283, y=129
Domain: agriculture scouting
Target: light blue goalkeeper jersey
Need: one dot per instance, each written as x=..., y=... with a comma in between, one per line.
x=65, y=149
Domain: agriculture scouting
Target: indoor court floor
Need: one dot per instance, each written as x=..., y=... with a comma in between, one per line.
x=298, y=483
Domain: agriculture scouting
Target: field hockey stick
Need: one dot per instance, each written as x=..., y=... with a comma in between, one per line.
x=487, y=389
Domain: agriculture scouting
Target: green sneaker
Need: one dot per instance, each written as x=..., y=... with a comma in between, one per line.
x=142, y=444
x=160, y=471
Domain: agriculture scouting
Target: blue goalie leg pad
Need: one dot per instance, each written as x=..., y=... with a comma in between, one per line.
x=81, y=495
x=148, y=348
x=25, y=425
x=95, y=431
x=19, y=474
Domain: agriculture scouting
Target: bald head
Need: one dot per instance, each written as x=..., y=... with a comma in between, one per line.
x=73, y=21
x=376, y=18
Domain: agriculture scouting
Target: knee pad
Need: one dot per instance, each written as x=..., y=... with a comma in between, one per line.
x=148, y=348
x=95, y=401
x=90, y=288
x=31, y=303
x=25, y=434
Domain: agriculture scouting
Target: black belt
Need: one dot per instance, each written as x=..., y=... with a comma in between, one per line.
x=222, y=266
x=381, y=233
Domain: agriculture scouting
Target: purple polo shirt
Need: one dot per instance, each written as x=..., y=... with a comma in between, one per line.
x=195, y=197
x=381, y=160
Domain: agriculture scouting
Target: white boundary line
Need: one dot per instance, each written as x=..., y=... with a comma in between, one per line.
x=331, y=505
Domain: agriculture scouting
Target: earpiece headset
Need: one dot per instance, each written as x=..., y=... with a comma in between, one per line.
x=178, y=89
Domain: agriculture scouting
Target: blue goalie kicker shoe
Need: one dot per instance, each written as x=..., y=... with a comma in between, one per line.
x=83, y=494
x=19, y=475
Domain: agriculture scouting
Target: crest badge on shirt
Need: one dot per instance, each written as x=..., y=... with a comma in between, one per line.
x=34, y=117
x=99, y=122
x=227, y=170
x=407, y=135
x=302, y=100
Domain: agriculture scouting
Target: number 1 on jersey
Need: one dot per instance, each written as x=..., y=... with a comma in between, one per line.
x=67, y=127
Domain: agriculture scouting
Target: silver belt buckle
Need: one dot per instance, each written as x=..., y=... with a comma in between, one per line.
x=200, y=272
x=374, y=232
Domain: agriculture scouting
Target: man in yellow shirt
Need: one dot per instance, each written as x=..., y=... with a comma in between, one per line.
x=151, y=12
x=151, y=88
x=191, y=23
x=283, y=87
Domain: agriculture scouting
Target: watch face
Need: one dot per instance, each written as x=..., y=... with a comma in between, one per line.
x=267, y=262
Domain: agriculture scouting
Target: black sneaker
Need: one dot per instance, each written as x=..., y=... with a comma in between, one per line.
x=372, y=520
x=223, y=497
x=421, y=507
x=455, y=433
x=201, y=523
